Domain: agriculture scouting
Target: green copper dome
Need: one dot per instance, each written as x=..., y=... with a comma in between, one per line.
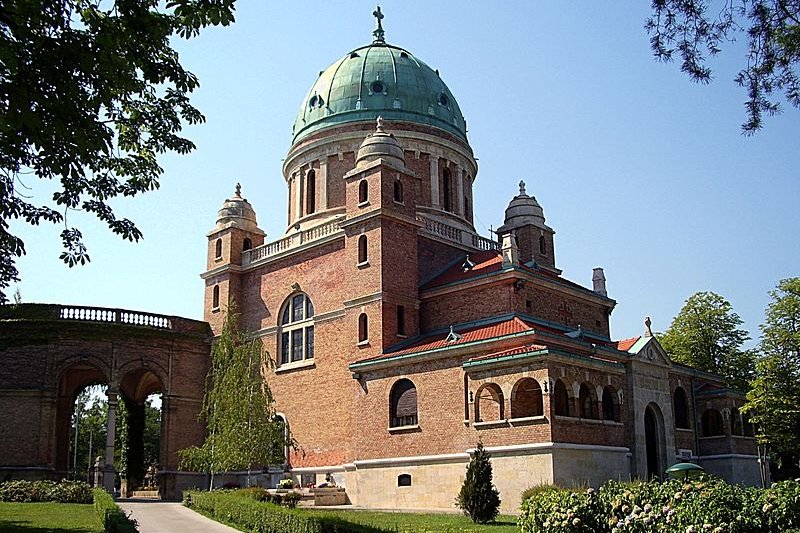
x=379, y=80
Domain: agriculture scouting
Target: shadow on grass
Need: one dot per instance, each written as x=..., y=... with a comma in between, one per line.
x=21, y=526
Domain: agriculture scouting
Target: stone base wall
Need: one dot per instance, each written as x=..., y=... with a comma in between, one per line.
x=740, y=469
x=172, y=484
x=579, y=465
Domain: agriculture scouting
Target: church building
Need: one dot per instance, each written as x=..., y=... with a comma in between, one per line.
x=401, y=337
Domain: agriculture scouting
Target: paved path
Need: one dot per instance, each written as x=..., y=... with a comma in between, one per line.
x=170, y=517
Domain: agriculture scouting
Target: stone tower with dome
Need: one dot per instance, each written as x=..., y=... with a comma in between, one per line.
x=401, y=337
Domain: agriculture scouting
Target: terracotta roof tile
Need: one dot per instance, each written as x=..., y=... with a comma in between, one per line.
x=625, y=344
x=486, y=262
x=511, y=351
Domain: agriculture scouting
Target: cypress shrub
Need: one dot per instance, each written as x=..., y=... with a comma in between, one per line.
x=479, y=498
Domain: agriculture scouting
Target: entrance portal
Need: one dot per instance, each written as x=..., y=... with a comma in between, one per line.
x=654, y=441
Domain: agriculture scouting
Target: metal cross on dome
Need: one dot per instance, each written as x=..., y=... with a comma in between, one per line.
x=378, y=33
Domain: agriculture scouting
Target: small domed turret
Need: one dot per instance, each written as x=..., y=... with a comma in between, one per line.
x=522, y=210
x=381, y=145
x=237, y=212
x=525, y=219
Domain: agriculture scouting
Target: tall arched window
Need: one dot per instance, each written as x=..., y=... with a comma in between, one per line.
x=610, y=404
x=526, y=399
x=561, y=399
x=489, y=403
x=680, y=408
x=712, y=423
x=446, y=192
x=363, y=195
x=215, y=297
x=398, y=192
x=587, y=402
x=296, y=329
x=363, y=328
x=311, y=192
x=362, y=249
x=218, y=249
x=403, y=404
x=542, y=245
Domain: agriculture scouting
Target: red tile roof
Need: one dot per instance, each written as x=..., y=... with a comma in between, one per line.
x=468, y=334
x=625, y=344
x=486, y=262
x=511, y=351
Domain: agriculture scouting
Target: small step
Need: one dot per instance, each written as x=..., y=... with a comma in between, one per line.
x=150, y=494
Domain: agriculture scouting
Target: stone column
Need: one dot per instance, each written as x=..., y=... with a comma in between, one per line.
x=111, y=429
x=434, y=180
x=322, y=185
x=298, y=195
x=459, y=190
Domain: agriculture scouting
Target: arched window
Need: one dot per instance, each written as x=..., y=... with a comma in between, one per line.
x=296, y=329
x=218, y=249
x=362, y=249
x=403, y=404
x=712, y=423
x=215, y=297
x=404, y=480
x=363, y=328
x=561, y=399
x=542, y=245
x=398, y=192
x=587, y=402
x=362, y=192
x=311, y=192
x=489, y=403
x=446, y=192
x=246, y=244
x=681, y=408
x=526, y=399
x=610, y=404
x=279, y=444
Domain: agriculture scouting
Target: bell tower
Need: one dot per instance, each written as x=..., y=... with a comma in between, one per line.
x=525, y=218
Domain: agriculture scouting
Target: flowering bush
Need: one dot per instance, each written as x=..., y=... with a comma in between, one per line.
x=704, y=505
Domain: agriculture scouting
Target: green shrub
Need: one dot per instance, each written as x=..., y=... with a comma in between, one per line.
x=259, y=494
x=249, y=515
x=291, y=500
x=479, y=498
x=110, y=515
x=535, y=490
x=46, y=491
x=563, y=510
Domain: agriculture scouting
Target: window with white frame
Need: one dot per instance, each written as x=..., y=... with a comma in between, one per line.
x=296, y=329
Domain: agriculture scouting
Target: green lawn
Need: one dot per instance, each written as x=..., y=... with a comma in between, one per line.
x=424, y=523
x=48, y=518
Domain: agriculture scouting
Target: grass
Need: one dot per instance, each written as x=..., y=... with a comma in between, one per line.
x=424, y=523
x=48, y=518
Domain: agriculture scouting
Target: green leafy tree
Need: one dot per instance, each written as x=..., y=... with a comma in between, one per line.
x=91, y=412
x=479, y=498
x=698, y=29
x=705, y=335
x=91, y=93
x=237, y=407
x=774, y=401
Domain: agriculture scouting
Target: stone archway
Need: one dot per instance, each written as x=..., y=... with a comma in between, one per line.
x=655, y=441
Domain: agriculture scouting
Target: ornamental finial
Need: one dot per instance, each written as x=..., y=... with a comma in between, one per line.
x=380, y=124
x=521, y=187
x=647, y=331
x=378, y=33
x=238, y=190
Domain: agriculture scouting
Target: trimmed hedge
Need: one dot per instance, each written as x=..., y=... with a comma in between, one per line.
x=243, y=511
x=46, y=491
x=707, y=505
x=110, y=515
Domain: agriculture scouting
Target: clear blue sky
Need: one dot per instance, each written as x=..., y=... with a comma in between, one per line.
x=638, y=170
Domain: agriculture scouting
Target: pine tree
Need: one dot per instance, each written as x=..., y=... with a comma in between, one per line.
x=479, y=498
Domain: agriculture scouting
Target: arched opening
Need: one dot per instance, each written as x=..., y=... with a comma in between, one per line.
x=246, y=244
x=362, y=249
x=489, y=403
x=542, y=245
x=87, y=412
x=404, y=480
x=363, y=327
x=736, y=422
x=363, y=195
x=587, y=402
x=526, y=399
x=398, y=192
x=218, y=249
x=403, y=404
x=296, y=329
x=311, y=192
x=610, y=404
x=680, y=408
x=447, y=195
x=655, y=447
x=561, y=399
x=712, y=423
x=215, y=297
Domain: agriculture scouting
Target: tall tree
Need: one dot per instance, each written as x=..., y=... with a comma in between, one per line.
x=774, y=401
x=705, y=335
x=697, y=29
x=91, y=93
x=238, y=407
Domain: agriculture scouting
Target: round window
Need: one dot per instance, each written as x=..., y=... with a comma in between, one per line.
x=377, y=87
x=443, y=99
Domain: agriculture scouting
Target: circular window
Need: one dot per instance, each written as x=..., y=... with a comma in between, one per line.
x=377, y=87
x=443, y=99
x=315, y=101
